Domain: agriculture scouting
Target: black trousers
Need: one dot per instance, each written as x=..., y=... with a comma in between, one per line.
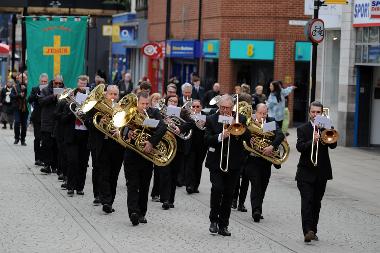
x=241, y=189
x=61, y=157
x=258, y=171
x=96, y=173
x=21, y=121
x=181, y=168
x=37, y=141
x=168, y=179
x=50, y=150
x=109, y=162
x=222, y=189
x=311, y=197
x=156, y=182
x=193, y=167
x=138, y=173
x=77, y=161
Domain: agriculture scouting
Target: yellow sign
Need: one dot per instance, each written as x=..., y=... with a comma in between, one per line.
x=56, y=51
x=107, y=30
x=115, y=33
x=336, y=2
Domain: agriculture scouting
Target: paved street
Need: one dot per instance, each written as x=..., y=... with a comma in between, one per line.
x=37, y=216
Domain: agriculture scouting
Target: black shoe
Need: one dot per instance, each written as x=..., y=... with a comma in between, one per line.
x=46, y=170
x=234, y=204
x=256, y=216
x=224, y=231
x=213, y=228
x=96, y=201
x=64, y=185
x=189, y=189
x=16, y=141
x=166, y=205
x=156, y=199
x=287, y=134
x=80, y=192
x=196, y=191
x=4, y=127
x=142, y=219
x=54, y=170
x=171, y=205
x=61, y=177
x=107, y=208
x=39, y=163
x=70, y=193
x=309, y=236
x=242, y=208
x=316, y=238
x=23, y=143
x=134, y=219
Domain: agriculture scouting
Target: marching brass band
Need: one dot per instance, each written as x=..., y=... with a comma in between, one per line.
x=174, y=136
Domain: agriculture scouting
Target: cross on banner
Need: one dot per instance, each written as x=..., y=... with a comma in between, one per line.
x=56, y=51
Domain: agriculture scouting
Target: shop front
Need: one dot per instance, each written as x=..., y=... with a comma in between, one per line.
x=129, y=34
x=183, y=56
x=367, y=68
x=210, y=53
x=253, y=62
x=302, y=56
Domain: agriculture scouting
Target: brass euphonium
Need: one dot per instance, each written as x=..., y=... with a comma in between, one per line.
x=172, y=121
x=262, y=139
x=127, y=115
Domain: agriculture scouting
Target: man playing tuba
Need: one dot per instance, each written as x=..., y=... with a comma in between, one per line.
x=258, y=169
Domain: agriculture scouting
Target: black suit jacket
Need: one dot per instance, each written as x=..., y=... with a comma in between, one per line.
x=237, y=151
x=35, y=117
x=306, y=171
x=123, y=90
x=198, y=94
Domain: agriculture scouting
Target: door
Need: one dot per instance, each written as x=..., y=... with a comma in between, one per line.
x=365, y=79
x=375, y=112
x=301, y=94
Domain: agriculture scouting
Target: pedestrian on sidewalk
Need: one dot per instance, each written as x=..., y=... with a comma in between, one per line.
x=18, y=97
x=7, y=109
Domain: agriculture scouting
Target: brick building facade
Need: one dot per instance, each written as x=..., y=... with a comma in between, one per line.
x=226, y=20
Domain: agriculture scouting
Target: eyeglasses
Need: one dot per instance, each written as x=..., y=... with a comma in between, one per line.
x=196, y=106
x=57, y=83
x=173, y=101
x=225, y=107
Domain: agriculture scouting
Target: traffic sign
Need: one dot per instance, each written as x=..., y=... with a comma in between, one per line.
x=152, y=50
x=315, y=30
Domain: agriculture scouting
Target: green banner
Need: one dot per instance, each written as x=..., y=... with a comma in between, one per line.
x=55, y=45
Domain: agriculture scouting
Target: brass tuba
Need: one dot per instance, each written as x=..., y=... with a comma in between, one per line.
x=126, y=115
x=262, y=139
x=172, y=121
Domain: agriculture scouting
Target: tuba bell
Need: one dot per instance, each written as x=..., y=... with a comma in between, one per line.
x=262, y=139
x=127, y=115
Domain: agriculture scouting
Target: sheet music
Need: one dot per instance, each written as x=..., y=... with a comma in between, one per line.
x=225, y=119
x=42, y=86
x=152, y=123
x=322, y=122
x=173, y=111
x=269, y=126
x=80, y=97
x=58, y=91
x=201, y=117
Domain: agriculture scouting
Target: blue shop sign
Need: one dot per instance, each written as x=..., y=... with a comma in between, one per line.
x=211, y=48
x=303, y=51
x=188, y=49
x=252, y=49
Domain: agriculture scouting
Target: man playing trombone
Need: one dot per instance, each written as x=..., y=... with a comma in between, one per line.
x=314, y=169
x=224, y=160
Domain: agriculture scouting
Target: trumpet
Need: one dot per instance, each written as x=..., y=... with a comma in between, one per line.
x=236, y=129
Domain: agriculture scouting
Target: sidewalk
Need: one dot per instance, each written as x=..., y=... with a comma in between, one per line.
x=37, y=216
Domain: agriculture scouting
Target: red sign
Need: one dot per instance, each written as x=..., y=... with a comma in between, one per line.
x=153, y=50
x=315, y=30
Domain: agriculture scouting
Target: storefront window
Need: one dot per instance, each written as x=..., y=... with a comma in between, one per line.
x=367, y=50
x=373, y=34
x=359, y=35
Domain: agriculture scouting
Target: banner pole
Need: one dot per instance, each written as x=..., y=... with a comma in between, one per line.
x=87, y=42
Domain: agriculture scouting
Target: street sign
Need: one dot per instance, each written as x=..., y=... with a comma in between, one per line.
x=315, y=30
x=152, y=50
